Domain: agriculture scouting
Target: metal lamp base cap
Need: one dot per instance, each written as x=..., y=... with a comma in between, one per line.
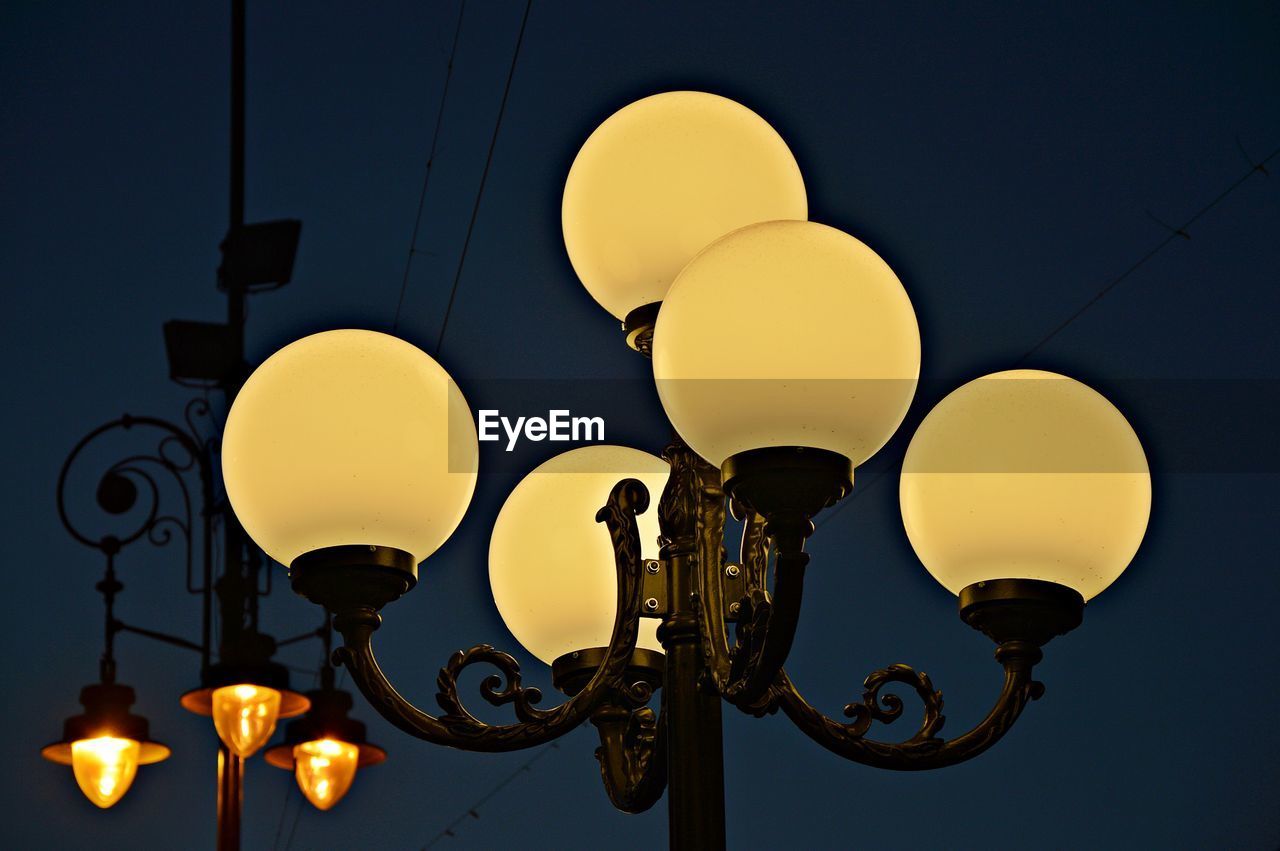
x=1030, y=610
x=571, y=672
x=798, y=481
x=638, y=326
x=106, y=713
x=355, y=576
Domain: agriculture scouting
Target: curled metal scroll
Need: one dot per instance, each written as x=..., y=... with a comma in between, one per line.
x=696, y=516
x=923, y=750
x=692, y=513
x=633, y=749
x=497, y=690
x=123, y=482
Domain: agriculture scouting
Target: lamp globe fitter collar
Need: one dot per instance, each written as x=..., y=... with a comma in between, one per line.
x=1025, y=474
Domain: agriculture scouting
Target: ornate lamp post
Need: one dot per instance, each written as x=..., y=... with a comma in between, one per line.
x=165, y=493
x=351, y=456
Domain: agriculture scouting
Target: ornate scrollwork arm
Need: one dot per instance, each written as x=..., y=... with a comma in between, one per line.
x=766, y=628
x=744, y=671
x=356, y=617
x=633, y=750
x=692, y=516
x=924, y=749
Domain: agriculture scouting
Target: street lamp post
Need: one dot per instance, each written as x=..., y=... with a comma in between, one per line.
x=167, y=492
x=786, y=353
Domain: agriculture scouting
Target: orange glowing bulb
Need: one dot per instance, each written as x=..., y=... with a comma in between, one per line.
x=104, y=767
x=245, y=717
x=325, y=769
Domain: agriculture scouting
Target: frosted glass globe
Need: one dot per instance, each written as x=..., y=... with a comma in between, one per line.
x=786, y=334
x=1025, y=475
x=349, y=437
x=662, y=178
x=551, y=565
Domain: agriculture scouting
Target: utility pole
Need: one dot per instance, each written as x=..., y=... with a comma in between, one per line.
x=231, y=587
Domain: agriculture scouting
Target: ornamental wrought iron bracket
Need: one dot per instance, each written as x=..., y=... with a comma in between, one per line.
x=159, y=494
x=613, y=686
x=1019, y=615
x=358, y=582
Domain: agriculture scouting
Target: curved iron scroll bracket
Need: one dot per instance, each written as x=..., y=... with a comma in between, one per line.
x=923, y=750
x=457, y=727
x=692, y=512
x=766, y=628
x=739, y=670
x=177, y=453
x=633, y=749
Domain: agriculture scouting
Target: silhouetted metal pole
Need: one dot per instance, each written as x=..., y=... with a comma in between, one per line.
x=230, y=766
x=230, y=798
x=694, y=740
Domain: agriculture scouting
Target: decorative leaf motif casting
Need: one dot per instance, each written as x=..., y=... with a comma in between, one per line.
x=633, y=751
x=924, y=750
x=681, y=506
x=888, y=709
x=692, y=518
x=693, y=513
x=497, y=690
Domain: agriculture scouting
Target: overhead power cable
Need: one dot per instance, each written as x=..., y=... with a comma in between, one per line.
x=473, y=811
x=484, y=176
x=431, y=158
x=1182, y=231
x=288, y=796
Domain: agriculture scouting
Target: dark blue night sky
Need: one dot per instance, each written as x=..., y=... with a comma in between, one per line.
x=1003, y=158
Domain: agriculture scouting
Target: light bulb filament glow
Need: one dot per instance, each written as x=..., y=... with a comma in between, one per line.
x=245, y=716
x=325, y=770
x=104, y=767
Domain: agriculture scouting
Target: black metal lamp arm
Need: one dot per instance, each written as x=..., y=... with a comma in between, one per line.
x=633, y=749
x=356, y=618
x=745, y=671
x=693, y=524
x=1018, y=615
x=923, y=750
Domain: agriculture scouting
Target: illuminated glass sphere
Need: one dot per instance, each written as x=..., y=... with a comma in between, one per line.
x=245, y=717
x=105, y=767
x=786, y=334
x=325, y=770
x=551, y=565
x=1026, y=475
x=349, y=437
x=659, y=180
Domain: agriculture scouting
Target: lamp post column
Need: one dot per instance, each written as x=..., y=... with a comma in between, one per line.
x=230, y=766
x=695, y=749
x=230, y=798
